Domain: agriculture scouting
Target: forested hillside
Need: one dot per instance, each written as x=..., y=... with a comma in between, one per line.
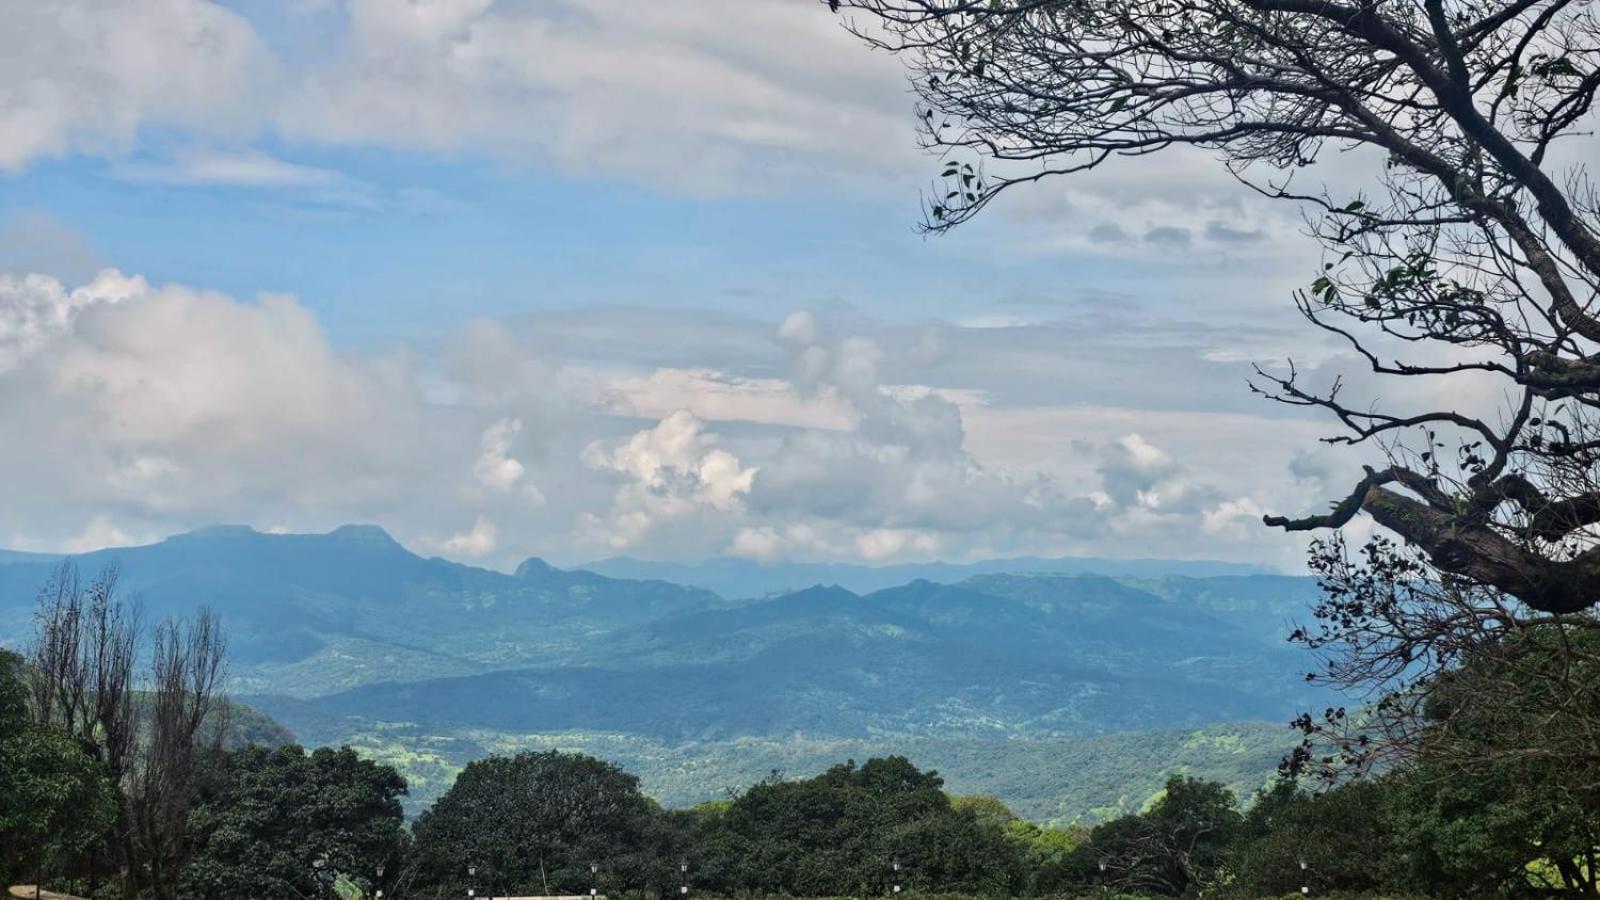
x=1020, y=685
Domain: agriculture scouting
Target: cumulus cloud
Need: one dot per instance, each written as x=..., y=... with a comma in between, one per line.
x=670, y=472
x=1135, y=473
x=149, y=408
x=476, y=543
x=897, y=483
x=495, y=467
x=89, y=75
x=169, y=404
x=35, y=308
x=1233, y=518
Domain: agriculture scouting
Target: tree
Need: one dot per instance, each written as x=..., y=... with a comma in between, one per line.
x=264, y=816
x=1506, y=780
x=1174, y=848
x=1048, y=856
x=842, y=831
x=56, y=800
x=1471, y=262
x=1337, y=841
x=186, y=679
x=531, y=823
x=87, y=642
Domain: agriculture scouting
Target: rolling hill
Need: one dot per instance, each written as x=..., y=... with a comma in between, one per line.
x=349, y=637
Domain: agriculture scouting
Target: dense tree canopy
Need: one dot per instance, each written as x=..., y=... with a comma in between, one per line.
x=843, y=832
x=531, y=823
x=265, y=816
x=1175, y=847
x=56, y=799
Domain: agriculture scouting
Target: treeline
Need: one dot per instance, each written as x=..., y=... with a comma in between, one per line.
x=125, y=774
x=537, y=822
x=284, y=822
x=121, y=778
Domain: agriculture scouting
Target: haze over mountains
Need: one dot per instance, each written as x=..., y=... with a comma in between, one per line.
x=349, y=637
x=745, y=578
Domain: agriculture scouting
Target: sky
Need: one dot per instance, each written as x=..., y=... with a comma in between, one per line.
x=584, y=279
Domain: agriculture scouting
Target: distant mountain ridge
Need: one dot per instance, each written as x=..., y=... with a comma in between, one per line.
x=288, y=597
x=743, y=578
x=348, y=636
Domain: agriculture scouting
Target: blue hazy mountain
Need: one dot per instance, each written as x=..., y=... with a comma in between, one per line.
x=750, y=578
x=998, y=656
x=350, y=637
x=316, y=612
x=353, y=623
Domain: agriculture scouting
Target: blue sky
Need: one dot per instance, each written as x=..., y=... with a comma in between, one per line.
x=417, y=243
x=576, y=279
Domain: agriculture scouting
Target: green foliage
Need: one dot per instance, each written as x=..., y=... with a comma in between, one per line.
x=332, y=621
x=1050, y=855
x=266, y=815
x=842, y=832
x=985, y=808
x=242, y=725
x=534, y=823
x=1053, y=782
x=55, y=797
x=1343, y=837
x=1508, y=792
x=1175, y=848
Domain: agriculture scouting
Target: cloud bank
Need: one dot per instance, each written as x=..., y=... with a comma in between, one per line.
x=143, y=409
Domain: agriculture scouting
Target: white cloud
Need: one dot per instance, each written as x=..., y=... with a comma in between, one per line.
x=716, y=395
x=717, y=95
x=101, y=532
x=495, y=468
x=671, y=472
x=477, y=543
x=799, y=329
x=146, y=409
x=89, y=75
x=713, y=94
x=1234, y=518
x=891, y=543
x=243, y=168
x=1133, y=472
x=178, y=406
x=35, y=308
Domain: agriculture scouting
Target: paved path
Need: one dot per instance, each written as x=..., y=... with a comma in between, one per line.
x=27, y=891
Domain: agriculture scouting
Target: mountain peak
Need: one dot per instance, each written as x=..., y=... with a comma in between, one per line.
x=819, y=593
x=532, y=567
x=373, y=534
x=217, y=532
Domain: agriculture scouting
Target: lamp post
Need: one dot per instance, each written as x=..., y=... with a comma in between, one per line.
x=1305, y=884
x=894, y=866
x=683, y=875
x=594, y=879
x=472, y=879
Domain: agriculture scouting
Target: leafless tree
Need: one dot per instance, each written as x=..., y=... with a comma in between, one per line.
x=1447, y=671
x=187, y=670
x=86, y=640
x=1473, y=255
x=150, y=733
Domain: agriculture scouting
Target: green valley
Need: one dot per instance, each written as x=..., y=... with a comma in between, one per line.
x=1072, y=696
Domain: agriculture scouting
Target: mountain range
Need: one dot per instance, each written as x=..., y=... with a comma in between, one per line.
x=732, y=577
x=349, y=637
